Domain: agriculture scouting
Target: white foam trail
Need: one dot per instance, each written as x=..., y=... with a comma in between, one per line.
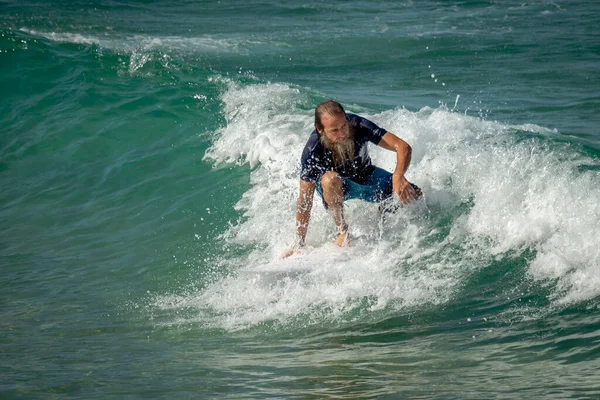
x=514, y=195
x=141, y=47
x=144, y=42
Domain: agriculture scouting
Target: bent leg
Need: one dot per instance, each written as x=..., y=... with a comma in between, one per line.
x=332, y=185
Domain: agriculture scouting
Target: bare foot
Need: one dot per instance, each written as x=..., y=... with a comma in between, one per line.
x=342, y=239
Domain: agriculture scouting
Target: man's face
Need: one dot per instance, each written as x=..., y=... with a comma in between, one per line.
x=337, y=137
x=335, y=128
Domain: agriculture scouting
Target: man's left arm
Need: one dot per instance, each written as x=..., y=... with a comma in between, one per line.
x=400, y=184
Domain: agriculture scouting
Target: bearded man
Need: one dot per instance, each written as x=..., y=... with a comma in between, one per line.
x=336, y=163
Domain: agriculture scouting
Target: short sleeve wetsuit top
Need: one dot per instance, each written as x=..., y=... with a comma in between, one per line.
x=316, y=159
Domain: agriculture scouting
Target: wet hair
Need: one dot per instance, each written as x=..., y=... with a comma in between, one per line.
x=329, y=107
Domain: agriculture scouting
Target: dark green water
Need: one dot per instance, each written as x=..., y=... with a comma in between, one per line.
x=149, y=160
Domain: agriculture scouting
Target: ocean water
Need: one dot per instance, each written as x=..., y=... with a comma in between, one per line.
x=149, y=161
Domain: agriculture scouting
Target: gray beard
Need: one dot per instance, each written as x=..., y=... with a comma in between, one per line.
x=342, y=151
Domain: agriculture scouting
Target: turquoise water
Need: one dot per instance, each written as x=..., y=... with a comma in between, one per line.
x=149, y=167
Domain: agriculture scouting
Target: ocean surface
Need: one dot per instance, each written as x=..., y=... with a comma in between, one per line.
x=149, y=164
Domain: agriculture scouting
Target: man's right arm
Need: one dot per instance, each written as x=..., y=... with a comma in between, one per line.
x=303, y=207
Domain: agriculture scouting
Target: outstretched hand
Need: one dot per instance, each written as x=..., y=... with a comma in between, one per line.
x=291, y=252
x=341, y=241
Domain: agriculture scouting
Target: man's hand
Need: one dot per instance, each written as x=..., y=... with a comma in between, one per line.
x=289, y=253
x=404, y=190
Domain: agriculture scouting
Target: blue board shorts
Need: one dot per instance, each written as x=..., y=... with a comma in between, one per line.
x=376, y=188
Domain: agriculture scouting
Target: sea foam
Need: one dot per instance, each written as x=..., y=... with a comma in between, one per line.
x=142, y=48
x=500, y=189
x=122, y=42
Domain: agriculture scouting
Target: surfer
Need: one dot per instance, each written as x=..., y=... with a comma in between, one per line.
x=336, y=163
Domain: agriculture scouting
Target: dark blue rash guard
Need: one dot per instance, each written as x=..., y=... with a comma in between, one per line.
x=316, y=159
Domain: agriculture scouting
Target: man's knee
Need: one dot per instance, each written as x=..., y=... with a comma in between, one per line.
x=331, y=180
